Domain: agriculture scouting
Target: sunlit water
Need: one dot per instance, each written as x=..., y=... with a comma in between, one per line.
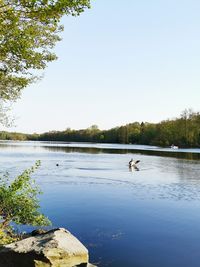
x=145, y=218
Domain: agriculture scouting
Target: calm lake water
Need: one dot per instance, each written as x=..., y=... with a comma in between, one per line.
x=145, y=218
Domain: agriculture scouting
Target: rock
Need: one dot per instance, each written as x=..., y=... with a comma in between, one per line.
x=85, y=265
x=55, y=248
x=38, y=232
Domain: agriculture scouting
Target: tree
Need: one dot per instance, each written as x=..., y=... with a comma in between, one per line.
x=5, y=118
x=29, y=29
x=19, y=202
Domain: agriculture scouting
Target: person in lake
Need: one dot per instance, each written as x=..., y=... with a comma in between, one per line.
x=133, y=164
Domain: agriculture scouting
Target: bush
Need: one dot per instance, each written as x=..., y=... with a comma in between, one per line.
x=19, y=202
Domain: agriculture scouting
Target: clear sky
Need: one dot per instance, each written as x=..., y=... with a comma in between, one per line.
x=119, y=62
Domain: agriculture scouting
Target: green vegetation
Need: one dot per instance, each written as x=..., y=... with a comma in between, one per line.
x=19, y=204
x=29, y=29
x=183, y=131
x=28, y=32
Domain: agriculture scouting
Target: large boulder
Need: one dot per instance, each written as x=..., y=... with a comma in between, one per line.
x=55, y=248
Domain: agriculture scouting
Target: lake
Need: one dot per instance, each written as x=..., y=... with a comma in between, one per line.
x=145, y=218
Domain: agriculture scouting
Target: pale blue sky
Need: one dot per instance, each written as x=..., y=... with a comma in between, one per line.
x=119, y=62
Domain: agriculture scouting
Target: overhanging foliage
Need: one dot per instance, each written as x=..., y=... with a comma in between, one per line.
x=29, y=29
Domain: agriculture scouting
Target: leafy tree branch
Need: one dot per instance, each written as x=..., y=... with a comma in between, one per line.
x=28, y=32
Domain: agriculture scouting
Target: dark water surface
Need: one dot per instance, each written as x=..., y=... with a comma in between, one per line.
x=146, y=218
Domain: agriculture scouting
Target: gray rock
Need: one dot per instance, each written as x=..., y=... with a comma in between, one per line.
x=38, y=232
x=55, y=248
x=85, y=265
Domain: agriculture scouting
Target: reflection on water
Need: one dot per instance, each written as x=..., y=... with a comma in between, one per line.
x=94, y=148
x=145, y=218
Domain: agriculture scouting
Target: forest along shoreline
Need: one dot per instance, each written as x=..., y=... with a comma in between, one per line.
x=182, y=132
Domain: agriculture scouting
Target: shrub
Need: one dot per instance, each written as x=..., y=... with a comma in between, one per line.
x=19, y=202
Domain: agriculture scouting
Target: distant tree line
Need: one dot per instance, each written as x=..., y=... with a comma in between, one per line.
x=183, y=131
